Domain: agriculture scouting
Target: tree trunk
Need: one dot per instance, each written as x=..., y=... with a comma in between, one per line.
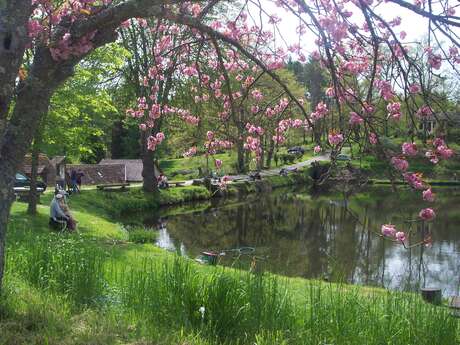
x=270, y=153
x=33, y=195
x=149, y=180
x=241, y=168
x=6, y=199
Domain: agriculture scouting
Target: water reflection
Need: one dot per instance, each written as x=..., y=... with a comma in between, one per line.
x=328, y=238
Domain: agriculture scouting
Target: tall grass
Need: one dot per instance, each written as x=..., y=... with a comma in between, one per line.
x=240, y=307
x=218, y=305
x=66, y=266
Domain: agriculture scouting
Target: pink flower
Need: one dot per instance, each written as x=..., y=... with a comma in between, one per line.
x=218, y=163
x=414, y=88
x=190, y=152
x=257, y=95
x=388, y=230
x=142, y=126
x=409, y=149
x=400, y=236
x=160, y=137
x=210, y=135
x=317, y=149
x=394, y=110
x=444, y=151
x=373, y=138
x=424, y=111
x=335, y=138
x=438, y=142
x=414, y=180
x=355, y=119
x=399, y=163
x=428, y=195
x=427, y=214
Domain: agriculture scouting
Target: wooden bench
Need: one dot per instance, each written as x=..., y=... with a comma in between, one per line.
x=113, y=186
x=176, y=183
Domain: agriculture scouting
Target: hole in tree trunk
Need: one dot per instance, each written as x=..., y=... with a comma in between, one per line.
x=7, y=41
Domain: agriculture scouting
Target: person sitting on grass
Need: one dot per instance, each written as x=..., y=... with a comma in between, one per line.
x=162, y=181
x=58, y=216
x=71, y=222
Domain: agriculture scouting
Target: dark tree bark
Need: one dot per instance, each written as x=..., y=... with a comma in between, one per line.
x=149, y=181
x=33, y=195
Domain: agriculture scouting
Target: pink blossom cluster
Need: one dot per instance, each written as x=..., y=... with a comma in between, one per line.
x=409, y=149
x=424, y=112
x=399, y=163
x=153, y=141
x=253, y=144
x=254, y=129
x=427, y=214
x=414, y=88
x=394, y=110
x=355, y=119
x=440, y=151
x=257, y=95
x=389, y=230
x=320, y=112
x=414, y=180
x=190, y=152
x=212, y=145
x=373, y=138
x=385, y=89
x=66, y=47
x=335, y=138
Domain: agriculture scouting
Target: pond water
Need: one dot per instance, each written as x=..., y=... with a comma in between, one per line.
x=326, y=237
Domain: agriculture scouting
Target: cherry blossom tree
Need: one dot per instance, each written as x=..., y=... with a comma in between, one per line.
x=368, y=60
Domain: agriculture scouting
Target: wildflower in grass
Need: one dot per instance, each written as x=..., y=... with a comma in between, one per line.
x=218, y=163
x=202, y=310
x=317, y=149
x=427, y=214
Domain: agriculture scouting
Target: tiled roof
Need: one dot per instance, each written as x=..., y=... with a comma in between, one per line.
x=133, y=168
x=99, y=174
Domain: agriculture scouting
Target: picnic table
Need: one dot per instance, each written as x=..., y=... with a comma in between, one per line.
x=113, y=186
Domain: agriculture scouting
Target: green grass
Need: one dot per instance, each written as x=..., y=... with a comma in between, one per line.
x=98, y=287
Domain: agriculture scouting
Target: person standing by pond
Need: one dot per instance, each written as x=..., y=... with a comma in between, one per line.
x=73, y=179
x=80, y=175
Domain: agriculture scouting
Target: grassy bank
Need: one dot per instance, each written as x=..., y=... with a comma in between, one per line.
x=97, y=287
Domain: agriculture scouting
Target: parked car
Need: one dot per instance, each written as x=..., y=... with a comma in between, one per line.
x=343, y=157
x=296, y=150
x=23, y=182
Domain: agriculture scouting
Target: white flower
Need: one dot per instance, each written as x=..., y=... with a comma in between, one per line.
x=202, y=310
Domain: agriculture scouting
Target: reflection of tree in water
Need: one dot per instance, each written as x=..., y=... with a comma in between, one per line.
x=322, y=238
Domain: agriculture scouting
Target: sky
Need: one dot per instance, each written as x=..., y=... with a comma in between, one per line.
x=414, y=25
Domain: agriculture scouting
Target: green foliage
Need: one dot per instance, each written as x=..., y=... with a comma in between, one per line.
x=81, y=113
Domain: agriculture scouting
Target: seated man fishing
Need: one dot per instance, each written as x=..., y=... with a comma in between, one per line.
x=58, y=216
